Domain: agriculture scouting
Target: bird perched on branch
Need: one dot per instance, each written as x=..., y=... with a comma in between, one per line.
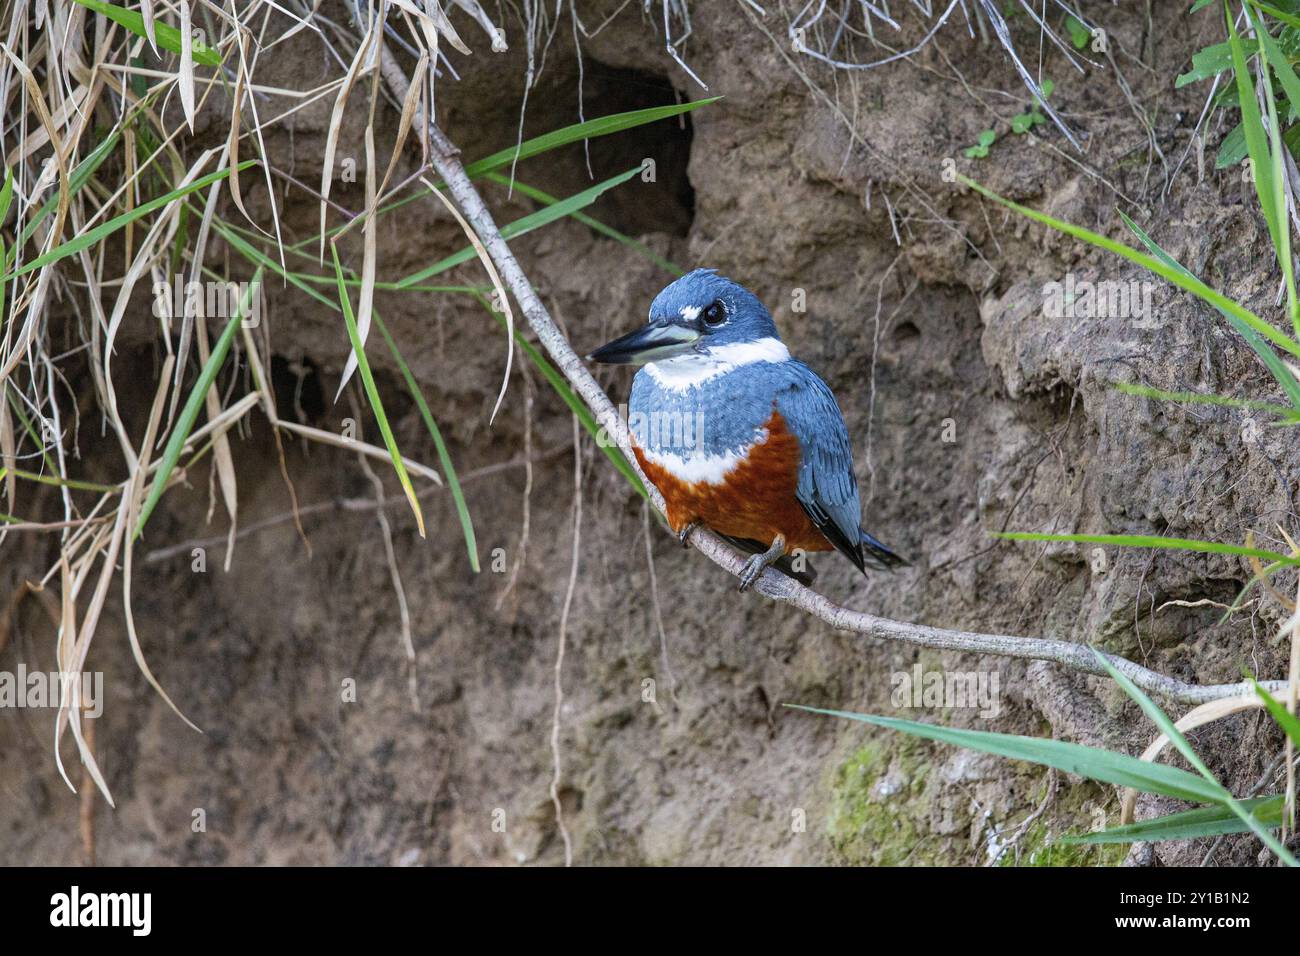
x=738, y=436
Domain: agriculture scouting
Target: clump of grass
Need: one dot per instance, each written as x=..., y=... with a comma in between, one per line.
x=104, y=192
x=1218, y=60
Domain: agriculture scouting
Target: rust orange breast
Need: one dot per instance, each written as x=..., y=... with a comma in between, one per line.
x=755, y=499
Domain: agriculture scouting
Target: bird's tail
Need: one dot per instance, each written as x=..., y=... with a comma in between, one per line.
x=876, y=555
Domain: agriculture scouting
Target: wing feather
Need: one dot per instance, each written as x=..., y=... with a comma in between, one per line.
x=827, y=488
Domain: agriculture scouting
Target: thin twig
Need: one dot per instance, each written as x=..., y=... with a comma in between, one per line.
x=558, y=712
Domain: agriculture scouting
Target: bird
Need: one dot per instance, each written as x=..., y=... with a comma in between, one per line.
x=738, y=436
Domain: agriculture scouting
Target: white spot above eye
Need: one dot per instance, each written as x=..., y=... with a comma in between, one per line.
x=687, y=371
x=690, y=312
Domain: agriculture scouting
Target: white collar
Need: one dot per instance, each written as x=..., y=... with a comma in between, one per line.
x=688, y=371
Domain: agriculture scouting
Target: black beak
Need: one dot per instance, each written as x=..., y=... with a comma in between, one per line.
x=650, y=343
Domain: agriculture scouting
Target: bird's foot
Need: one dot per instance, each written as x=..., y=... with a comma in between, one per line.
x=755, y=566
x=684, y=536
x=750, y=572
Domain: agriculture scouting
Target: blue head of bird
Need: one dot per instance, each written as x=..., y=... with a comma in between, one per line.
x=701, y=314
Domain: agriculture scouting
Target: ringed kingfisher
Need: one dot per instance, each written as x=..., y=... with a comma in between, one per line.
x=741, y=438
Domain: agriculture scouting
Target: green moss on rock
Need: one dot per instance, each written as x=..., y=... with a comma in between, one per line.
x=876, y=817
x=1074, y=810
x=1041, y=847
x=883, y=798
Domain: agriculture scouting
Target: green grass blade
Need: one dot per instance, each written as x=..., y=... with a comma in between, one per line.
x=1161, y=720
x=444, y=458
x=79, y=176
x=1275, y=58
x=372, y=393
x=1272, y=11
x=190, y=413
x=1203, y=398
x=58, y=482
x=548, y=371
x=601, y=126
x=169, y=38
x=453, y=482
x=93, y=236
x=1187, y=824
x=591, y=129
x=1285, y=719
x=1268, y=571
x=594, y=224
x=263, y=261
x=1152, y=541
x=1167, y=727
x=1282, y=238
x=6, y=196
x=304, y=282
x=1092, y=762
x=1253, y=126
x=534, y=220
x=1185, y=281
x=1275, y=365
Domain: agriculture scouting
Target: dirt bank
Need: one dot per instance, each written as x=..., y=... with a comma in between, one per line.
x=971, y=411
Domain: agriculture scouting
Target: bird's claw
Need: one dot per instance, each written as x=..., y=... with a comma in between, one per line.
x=751, y=571
x=684, y=536
x=755, y=566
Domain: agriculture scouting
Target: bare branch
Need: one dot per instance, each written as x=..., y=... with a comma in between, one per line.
x=446, y=160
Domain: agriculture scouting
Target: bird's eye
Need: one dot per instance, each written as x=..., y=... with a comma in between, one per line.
x=715, y=314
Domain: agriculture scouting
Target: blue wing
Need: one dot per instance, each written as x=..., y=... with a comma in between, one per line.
x=827, y=488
